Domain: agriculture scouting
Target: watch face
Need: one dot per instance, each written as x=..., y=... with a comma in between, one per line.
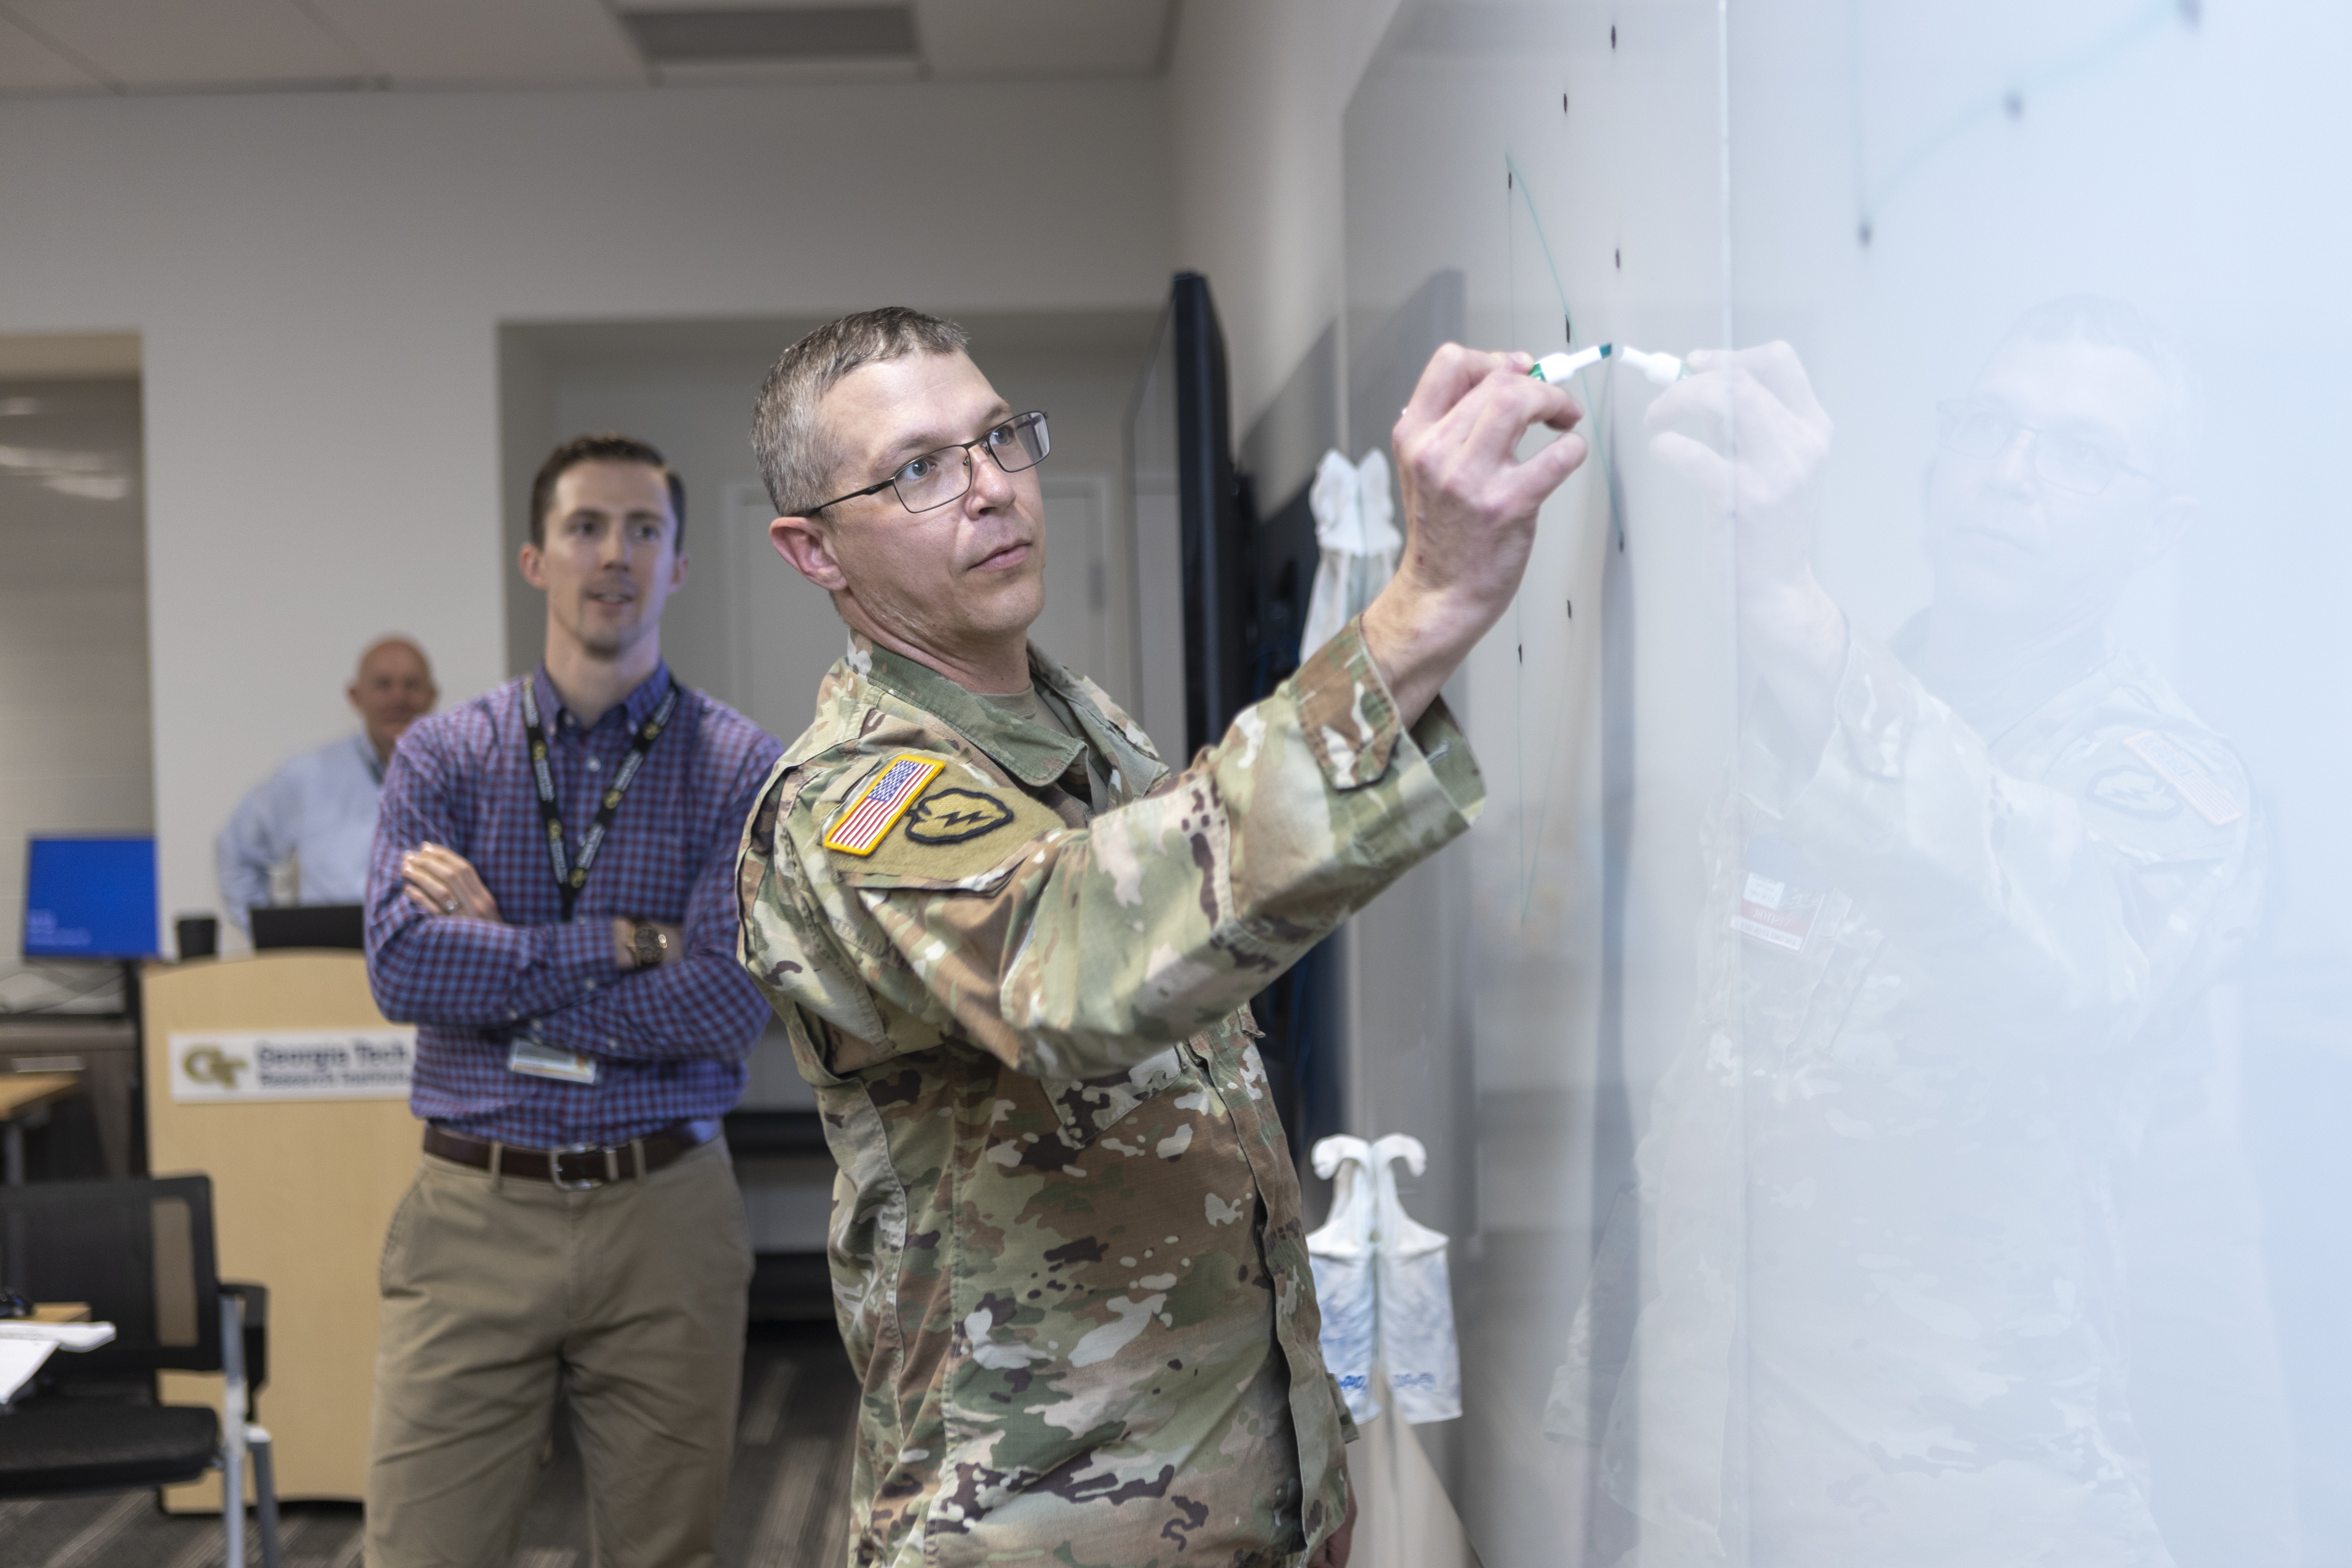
x=648, y=944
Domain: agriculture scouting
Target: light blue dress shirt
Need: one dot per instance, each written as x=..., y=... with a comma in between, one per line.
x=317, y=812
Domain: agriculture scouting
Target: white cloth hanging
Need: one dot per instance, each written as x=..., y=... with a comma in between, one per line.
x=1353, y=529
x=1381, y=1283
x=1341, y=1253
x=1416, y=1299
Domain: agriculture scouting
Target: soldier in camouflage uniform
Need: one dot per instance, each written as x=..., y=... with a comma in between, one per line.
x=1014, y=954
x=1967, y=897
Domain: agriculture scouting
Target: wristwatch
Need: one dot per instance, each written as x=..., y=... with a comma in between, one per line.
x=648, y=944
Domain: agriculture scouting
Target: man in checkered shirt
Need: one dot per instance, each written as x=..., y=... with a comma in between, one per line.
x=550, y=901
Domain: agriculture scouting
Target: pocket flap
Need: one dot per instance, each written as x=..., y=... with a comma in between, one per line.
x=1091, y=1107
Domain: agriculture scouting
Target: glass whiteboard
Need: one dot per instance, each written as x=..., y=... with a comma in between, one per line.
x=1884, y=1090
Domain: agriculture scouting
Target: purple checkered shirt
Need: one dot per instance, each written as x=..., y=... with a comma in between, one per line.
x=670, y=1042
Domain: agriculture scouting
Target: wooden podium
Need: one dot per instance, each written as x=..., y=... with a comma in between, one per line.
x=303, y=1189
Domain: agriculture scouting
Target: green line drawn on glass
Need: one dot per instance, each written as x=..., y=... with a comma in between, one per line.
x=2009, y=101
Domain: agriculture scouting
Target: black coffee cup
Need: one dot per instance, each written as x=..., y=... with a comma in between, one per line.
x=198, y=936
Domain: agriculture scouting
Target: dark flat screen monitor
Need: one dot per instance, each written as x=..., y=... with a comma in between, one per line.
x=308, y=925
x=89, y=897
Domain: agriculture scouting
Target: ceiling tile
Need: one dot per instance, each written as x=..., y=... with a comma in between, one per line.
x=1042, y=37
x=423, y=43
x=194, y=43
x=70, y=45
x=27, y=65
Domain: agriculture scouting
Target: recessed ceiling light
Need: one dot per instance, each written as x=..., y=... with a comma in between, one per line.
x=813, y=33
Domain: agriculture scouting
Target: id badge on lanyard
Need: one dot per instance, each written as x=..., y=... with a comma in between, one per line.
x=535, y=1057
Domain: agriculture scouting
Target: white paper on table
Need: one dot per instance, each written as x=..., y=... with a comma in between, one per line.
x=19, y=1359
x=65, y=1336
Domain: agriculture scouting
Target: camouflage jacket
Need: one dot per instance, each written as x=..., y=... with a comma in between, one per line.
x=1871, y=1282
x=1067, y=1254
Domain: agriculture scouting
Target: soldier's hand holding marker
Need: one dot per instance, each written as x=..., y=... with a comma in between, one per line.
x=1469, y=508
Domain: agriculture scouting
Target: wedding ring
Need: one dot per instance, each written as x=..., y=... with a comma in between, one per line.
x=449, y=906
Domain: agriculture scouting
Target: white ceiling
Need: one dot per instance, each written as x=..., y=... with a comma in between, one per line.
x=263, y=46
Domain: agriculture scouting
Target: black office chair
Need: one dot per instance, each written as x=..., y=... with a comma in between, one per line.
x=140, y=1253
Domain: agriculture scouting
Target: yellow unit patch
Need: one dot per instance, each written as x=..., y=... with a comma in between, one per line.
x=877, y=808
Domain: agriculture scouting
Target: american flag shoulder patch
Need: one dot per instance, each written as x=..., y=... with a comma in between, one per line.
x=876, y=809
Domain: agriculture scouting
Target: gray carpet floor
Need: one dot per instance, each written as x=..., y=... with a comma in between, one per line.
x=787, y=1502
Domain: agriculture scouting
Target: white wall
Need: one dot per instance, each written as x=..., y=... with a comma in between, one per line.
x=1257, y=91
x=317, y=281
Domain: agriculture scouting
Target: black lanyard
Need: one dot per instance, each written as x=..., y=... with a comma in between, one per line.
x=568, y=877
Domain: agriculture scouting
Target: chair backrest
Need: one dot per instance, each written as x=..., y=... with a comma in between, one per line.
x=140, y=1252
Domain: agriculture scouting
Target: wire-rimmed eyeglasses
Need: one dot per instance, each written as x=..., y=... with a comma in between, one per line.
x=1976, y=428
x=944, y=475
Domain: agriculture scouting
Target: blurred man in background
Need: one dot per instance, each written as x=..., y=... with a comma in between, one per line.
x=302, y=835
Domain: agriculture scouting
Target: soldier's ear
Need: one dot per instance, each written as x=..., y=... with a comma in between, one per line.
x=805, y=543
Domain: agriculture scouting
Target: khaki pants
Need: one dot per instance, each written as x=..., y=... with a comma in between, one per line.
x=633, y=1295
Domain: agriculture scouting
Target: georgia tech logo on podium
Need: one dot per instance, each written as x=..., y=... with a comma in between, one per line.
x=292, y=1064
x=210, y=1064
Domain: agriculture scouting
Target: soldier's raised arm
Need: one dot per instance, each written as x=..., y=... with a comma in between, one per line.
x=1074, y=951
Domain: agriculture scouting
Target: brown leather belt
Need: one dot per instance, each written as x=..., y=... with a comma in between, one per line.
x=576, y=1168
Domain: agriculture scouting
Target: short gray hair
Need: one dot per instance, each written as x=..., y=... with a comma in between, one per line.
x=797, y=459
x=2111, y=323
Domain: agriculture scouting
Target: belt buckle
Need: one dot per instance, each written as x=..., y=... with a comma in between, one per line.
x=589, y=1184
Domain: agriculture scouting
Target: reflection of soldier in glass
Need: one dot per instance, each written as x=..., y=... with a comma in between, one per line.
x=1968, y=897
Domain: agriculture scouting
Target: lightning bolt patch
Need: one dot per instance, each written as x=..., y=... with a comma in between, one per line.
x=956, y=816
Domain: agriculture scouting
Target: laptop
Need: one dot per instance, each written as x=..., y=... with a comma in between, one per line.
x=308, y=925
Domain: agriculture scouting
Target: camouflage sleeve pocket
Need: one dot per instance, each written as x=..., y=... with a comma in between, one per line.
x=1345, y=711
